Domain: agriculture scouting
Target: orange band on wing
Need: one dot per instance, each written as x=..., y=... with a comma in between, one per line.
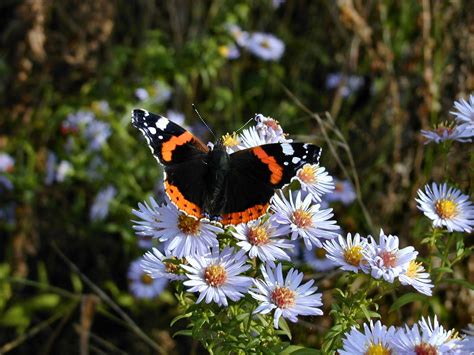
x=175, y=141
x=245, y=216
x=178, y=199
x=275, y=168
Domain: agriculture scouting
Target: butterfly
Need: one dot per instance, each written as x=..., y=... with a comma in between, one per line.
x=209, y=182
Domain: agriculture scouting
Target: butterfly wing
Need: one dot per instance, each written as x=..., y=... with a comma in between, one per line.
x=182, y=155
x=256, y=172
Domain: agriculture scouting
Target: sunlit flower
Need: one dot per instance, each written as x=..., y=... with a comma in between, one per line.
x=285, y=295
x=375, y=340
x=96, y=133
x=260, y=240
x=449, y=131
x=7, y=163
x=159, y=265
x=240, y=36
x=300, y=218
x=446, y=207
x=315, y=180
x=464, y=110
x=141, y=284
x=217, y=276
x=231, y=142
x=317, y=259
x=229, y=51
x=250, y=138
x=415, y=275
x=386, y=259
x=100, y=206
x=270, y=130
x=149, y=215
x=348, y=253
x=265, y=46
x=426, y=337
x=343, y=191
x=182, y=235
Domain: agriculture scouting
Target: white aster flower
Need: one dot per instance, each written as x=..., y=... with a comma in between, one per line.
x=260, y=240
x=348, y=253
x=159, y=265
x=315, y=180
x=343, y=191
x=416, y=276
x=240, y=36
x=465, y=110
x=150, y=216
x=231, y=142
x=301, y=218
x=270, y=130
x=250, y=138
x=467, y=344
x=446, y=207
x=265, y=46
x=376, y=339
x=317, y=259
x=184, y=235
x=141, y=284
x=286, y=296
x=449, y=131
x=63, y=170
x=100, y=206
x=229, y=51
x=142, y=94
x=386, y=259
x=7, y=163
x=426, y=337
x=216, y=276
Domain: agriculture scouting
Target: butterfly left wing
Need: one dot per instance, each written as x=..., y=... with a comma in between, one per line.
x=256, y=172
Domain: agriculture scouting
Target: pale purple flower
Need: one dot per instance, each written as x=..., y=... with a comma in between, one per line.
x=376, y=339
x=265, y=46
x=141, y=284
x=100, y=206
x=7, y=163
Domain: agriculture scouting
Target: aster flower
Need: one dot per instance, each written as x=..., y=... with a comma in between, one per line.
x=346, y=84
x=142, y=94
x=314, y=180
x=343, y=191
x=75, y=121
x=467, y=344
x=446, y=206
x=286, y=296
x=265, y=46
x=63, y=170
x=184, y=235
x=231, y=142
x=149, y=215
x=348, y=253
x=7, y=163
x=270, y=130
x=159, y=265
x=56, y=172
x=229, y=51
x=386, y=259
x=100, y=206
x=317, y=259
x=449, y=131
x=144, y=242
x=96, y=133
x=141, y=284
x=259, y=240
x=217, y=276
x=249, y=138
x=300, y=218
x=464, y=110
x=416, y=276
x=240, y=36
x=426, y=337
x=376, y=339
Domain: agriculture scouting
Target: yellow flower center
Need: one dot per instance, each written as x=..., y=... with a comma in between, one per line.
x=353, y=255
x=412, y=269
x=320, y=253
x=230, y=140
x=302, y=219
x=377, y=349
x=146, y=279
x=283, y=297
x=307, y=174
x=425, y=349
x=215, y=275
x=223, y=51
x=171, y=266
x=389, y=258
x=446, y=208
x=188, y=225
x=265, y=44
x=258, y=236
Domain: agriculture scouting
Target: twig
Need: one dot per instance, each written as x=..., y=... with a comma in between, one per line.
x=133, y=326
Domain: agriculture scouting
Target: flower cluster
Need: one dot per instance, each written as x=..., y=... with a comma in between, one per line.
x=424, y=337
x=383, y=260
x=263, y=45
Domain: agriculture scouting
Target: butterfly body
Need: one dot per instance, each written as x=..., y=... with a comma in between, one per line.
x=231, y=188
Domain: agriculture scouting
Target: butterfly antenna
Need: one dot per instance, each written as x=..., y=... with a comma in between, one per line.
x=202, y=120
x=246, y=123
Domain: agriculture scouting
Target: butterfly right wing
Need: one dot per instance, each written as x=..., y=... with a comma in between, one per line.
x=182, y=155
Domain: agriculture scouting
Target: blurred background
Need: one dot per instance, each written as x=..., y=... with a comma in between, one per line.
x=72, y=167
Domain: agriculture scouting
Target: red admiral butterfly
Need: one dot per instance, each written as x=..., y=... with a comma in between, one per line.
x=232, y=188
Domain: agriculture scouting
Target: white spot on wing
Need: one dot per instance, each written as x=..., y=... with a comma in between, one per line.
x=160, y=137
x=295, y=160
x=285, y=163
x=287, y=149
x=162, y=123
x=152, y=130
x=146, y=113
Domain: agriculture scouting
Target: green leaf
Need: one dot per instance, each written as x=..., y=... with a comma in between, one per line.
x=285, y=329
x=464, y=283
x=299, y=350
x=407, y=298
x=185, y=332
x=181, y=316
